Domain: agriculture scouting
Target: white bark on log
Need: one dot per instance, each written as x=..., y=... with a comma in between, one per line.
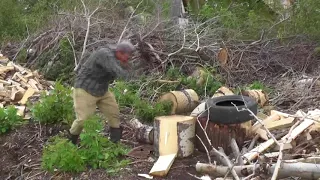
x=302, y=170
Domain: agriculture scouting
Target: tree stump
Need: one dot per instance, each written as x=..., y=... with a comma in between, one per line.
x=220, y=135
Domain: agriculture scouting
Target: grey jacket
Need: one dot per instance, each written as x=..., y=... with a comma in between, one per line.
x=99, y=70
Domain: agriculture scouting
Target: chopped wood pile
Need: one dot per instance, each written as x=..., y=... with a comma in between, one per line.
x=283, y=145
x=18, y=84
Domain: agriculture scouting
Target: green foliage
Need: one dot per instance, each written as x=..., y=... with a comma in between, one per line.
x=98, y=151
x=95, y=151
x=304, y=19
x=147, y=112
x=259, y=85
x=9, y=119
x=127, y=94
x=55, y=107
x=61, y=154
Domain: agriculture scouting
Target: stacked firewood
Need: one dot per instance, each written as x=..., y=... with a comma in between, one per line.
x=18, y=84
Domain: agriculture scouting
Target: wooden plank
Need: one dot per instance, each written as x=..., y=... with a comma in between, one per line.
x=280, y=124
x=26, y=95
x=163, y=165
x=298, y=130
x=266, y=121
x=257, y=150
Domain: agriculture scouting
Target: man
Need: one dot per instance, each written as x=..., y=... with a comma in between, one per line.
x=100, y=69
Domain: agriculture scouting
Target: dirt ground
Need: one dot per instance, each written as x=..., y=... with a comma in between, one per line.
x=21, y=149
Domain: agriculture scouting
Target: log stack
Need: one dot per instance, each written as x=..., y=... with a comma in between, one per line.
x=18, y=84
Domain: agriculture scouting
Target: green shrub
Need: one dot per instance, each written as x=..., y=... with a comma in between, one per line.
x=95, y=151
x=61, y=154
x=147, y=111
x=55, y=107
x=9, y=119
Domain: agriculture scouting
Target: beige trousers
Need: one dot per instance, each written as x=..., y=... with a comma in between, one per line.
x=85, y=106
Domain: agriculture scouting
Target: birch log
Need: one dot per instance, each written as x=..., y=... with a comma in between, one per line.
x=174, y=134
x=302, y=170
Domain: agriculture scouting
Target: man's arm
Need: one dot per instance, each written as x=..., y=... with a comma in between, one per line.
x=107, y=61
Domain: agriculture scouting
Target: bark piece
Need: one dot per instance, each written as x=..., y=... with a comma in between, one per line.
x=174, y=135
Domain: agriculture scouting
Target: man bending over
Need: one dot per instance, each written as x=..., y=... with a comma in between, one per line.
x=100, y=69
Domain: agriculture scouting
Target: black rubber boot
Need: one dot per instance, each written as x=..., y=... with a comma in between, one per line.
x=73, y=138
x=115, y=134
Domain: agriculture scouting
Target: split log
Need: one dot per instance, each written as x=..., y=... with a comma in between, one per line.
x=174, y=134
x=183, y=101
x=26, y=95
x=163, y=165
x=302, y=170
x=259, y=95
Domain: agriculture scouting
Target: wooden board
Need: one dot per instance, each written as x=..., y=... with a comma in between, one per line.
x=281, y=124
x=163, y=165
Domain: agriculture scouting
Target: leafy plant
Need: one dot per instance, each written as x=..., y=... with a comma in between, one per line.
x=62, y=155
x=95, y=151
x=55, y=107
x=9, y=119
x=147, y=112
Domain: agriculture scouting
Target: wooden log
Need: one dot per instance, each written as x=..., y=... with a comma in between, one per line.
x=223, y=91
x=302, y=170
x=259, y=95
x=174, y=135
x=145, y=134
x=220, y=135
x=183, y=101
